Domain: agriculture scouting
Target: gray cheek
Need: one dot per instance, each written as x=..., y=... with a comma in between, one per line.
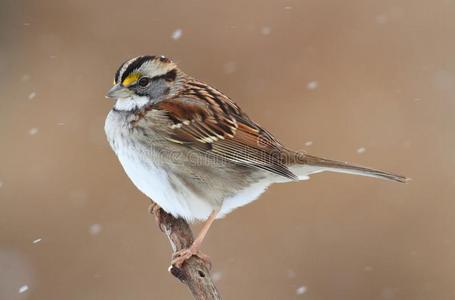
x=158, y=89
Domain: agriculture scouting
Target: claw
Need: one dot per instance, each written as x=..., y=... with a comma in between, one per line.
x=180, y=257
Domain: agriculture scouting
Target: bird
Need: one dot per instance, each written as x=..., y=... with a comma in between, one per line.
x=193, y=151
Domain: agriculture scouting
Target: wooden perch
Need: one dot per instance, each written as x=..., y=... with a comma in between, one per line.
x=194, y=272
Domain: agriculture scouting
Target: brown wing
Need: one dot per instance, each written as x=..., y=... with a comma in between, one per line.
x=204, y=119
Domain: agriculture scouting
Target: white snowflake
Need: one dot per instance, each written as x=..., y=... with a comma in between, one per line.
x=361, y=150
x=300, y=290
x=309, y=143
x=33, y=131
x=23, y=289
x=32, y=95
x=37, y=240
x=312, y=85
x=95, y=229
x=177, y=34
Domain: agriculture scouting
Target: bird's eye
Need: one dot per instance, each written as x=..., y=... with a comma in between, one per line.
x=144, y=81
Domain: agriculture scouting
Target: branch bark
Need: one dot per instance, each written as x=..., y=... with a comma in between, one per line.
x=194, y=272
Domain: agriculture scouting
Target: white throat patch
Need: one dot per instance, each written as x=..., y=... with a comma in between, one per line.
x=131, y=103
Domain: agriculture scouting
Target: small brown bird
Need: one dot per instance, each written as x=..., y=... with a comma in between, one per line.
x=193, y=151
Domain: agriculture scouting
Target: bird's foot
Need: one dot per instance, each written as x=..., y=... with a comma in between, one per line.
x=179, y=257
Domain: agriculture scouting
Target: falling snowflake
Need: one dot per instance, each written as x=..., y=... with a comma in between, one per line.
x=32, y=95
x=37, y=240
x=309, y=143
x=95, y=229
x=312, y=85
x=177, y=34
x=300, y=290
x=361, y=150
x=33, y=131
x=23, y=289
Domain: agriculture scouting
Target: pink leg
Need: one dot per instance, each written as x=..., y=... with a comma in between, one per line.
x=181, y=256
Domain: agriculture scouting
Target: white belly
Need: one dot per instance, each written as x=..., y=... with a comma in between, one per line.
x=154, y=182
x=164, y=188
x=243, y=197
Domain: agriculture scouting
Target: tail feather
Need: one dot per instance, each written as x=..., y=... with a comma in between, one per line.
x=308, y=164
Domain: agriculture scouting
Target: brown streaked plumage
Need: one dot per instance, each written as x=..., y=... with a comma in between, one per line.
x=193, y=151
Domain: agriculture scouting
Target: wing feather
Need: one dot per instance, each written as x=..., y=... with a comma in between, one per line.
x=204, y=119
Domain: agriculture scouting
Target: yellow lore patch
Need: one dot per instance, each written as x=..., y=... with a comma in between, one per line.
x=132, y=78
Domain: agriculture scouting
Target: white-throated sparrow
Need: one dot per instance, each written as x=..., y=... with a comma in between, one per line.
x=193, y=151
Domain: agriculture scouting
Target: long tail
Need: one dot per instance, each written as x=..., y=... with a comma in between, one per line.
x=305, y=165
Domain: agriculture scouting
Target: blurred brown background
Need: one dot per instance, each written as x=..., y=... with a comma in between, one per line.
x=371, y=82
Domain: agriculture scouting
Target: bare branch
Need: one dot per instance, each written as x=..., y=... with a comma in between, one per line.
x=194, y=272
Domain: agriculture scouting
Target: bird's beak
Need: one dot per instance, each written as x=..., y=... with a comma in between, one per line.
x=118, y=91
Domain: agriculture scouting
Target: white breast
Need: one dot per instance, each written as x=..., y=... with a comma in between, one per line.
x=155, y=181
x=148, y=175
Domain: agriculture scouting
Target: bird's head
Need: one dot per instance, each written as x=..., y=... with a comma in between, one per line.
x=143, y=80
